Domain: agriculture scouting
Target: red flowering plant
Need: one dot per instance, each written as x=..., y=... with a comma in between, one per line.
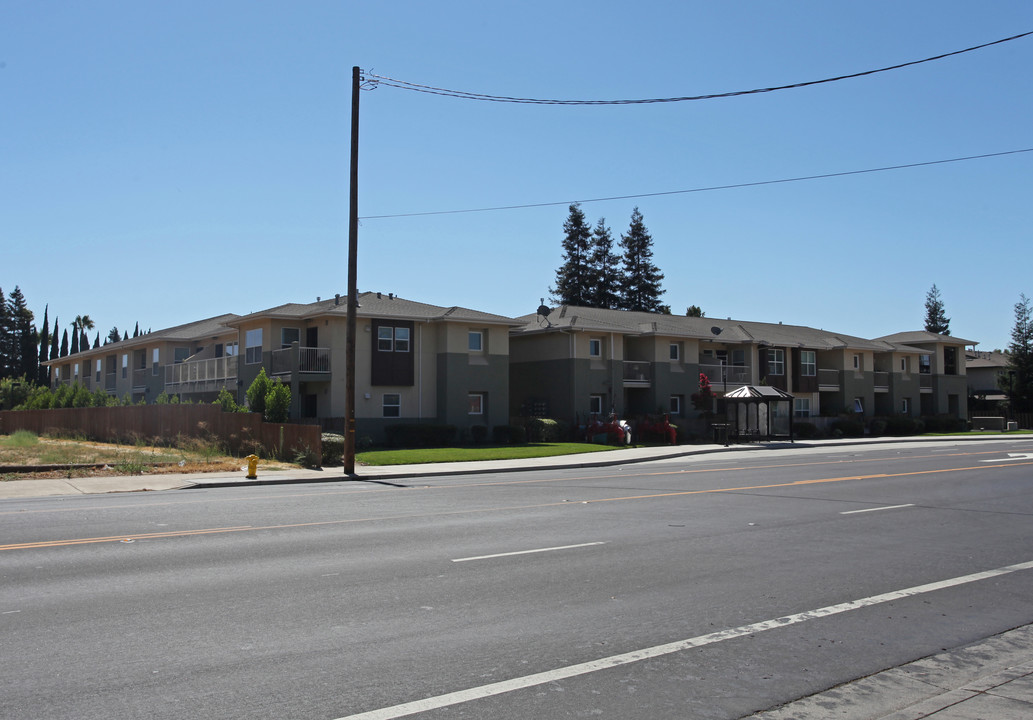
x=704, y=399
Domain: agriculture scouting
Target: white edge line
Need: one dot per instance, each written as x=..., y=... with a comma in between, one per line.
x=527, y=552
x=462, y=696
x=876, y=509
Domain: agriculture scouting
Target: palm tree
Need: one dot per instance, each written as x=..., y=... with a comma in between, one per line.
x=80, y=325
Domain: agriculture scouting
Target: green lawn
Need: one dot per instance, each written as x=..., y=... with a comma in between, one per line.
x=468, y=454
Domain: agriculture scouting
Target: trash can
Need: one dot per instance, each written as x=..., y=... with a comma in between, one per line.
x=252, y=467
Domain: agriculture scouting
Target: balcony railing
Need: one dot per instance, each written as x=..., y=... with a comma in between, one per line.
x=637, y=373
x=310, y=360
x=139, y=378
x=882, y=381
x=828, y=379
x=732, y=375
x=213, y=370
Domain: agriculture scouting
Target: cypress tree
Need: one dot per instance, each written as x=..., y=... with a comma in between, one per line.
x=43, y=375
x=64, y=343
x=55, y=351
x=24, y=336
x=75, y=339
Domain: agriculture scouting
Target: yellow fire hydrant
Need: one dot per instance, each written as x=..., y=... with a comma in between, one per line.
x=252, y=467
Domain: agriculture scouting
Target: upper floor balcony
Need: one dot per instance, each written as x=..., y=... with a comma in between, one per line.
x=200, y=375
x=637, y=373
x=308, y=360
x=724, y=376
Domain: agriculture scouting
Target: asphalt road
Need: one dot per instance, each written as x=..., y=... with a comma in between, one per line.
x=710, y=587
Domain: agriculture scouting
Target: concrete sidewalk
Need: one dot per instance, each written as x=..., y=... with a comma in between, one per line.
x=28, y=488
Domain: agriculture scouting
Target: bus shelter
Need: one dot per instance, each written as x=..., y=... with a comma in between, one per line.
x=759, y=413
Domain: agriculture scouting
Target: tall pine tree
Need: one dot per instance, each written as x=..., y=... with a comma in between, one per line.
x=24, y=359
x=55, y=350
x=7, y=342
x=604, y=269
x=572, y=276
x=640, y=286
x=936, y=321
x=1019, y=379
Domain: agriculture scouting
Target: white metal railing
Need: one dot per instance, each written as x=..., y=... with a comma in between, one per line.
x=882, y=380
x=732, y=374
x=194, y=371
x=310, y=360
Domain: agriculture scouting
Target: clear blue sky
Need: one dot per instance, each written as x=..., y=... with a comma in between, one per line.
x=164, y=162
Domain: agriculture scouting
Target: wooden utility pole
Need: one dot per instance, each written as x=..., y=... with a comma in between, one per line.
x=353, y=299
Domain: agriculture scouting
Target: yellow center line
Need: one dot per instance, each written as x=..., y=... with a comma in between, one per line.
x=567, y=503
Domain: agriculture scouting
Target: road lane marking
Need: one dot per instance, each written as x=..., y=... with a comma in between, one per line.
x=502, y=508
x=876, y=509
x=1012, y=457
x=526, y=552
x=549, y=676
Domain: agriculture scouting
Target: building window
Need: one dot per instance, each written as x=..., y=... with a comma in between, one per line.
x=808, y=363
x=904, y=365
x=905, y=406
x=476, y=403
x=595, y=348
x=950, y=361
x=925, y=364
x=858, y=406
x=675, y=352
x=154, y=363
x=392, y=339
x=595, y=404
x=801, y=407
x=392, y=405
x=857, y=362
x=125, y=366
x=100, y=367
x=253, y=346
x=75, y=371
x=288, y=336
x=776, y=362
x=738, y=358
x=675, y=405
x=232, y=349
x=475, y=341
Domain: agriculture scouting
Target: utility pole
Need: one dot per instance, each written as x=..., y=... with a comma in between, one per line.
x=353, y=300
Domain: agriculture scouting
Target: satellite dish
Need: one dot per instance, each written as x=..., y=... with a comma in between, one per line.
x=716, y=330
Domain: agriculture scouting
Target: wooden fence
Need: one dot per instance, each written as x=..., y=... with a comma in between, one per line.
x=240, y=433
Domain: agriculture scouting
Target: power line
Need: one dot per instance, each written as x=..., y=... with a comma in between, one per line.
x=702, y=189
x=404, y=85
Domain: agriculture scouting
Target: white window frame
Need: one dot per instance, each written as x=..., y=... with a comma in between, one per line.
x=231, y=349
x=596, y=403
x=391, y=405
x=75, y=371
x=776, y=359
x=475, y=404
x=155, y=355
x=253, y=340
x=801, y=407
x=857, y=362
x=100, y=368
x=385, y=338
x=475, y=341
x=808, y=368
x=675, y=405
x=905, y=406
x=595, y=347
x=675, y=352
x=402, y=339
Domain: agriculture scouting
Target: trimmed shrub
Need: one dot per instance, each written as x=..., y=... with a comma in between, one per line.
x=848, y=427
x=900, y=425
x=479, y=433
x=420, y=435
x=278, y=402
x=258, y=391
x=805, y=430
x=877, y=427
x=508, y=435
x=333, y=448
x=545, y=430
x=944, y=424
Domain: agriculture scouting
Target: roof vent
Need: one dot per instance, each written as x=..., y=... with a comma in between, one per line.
x=390, y=296
x=379, y=296
x=337, y=298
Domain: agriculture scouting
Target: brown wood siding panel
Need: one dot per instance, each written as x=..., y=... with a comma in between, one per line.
x=390, y=367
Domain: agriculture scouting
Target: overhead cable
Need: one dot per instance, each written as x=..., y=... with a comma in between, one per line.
x=404, y=85
x=701, y=189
